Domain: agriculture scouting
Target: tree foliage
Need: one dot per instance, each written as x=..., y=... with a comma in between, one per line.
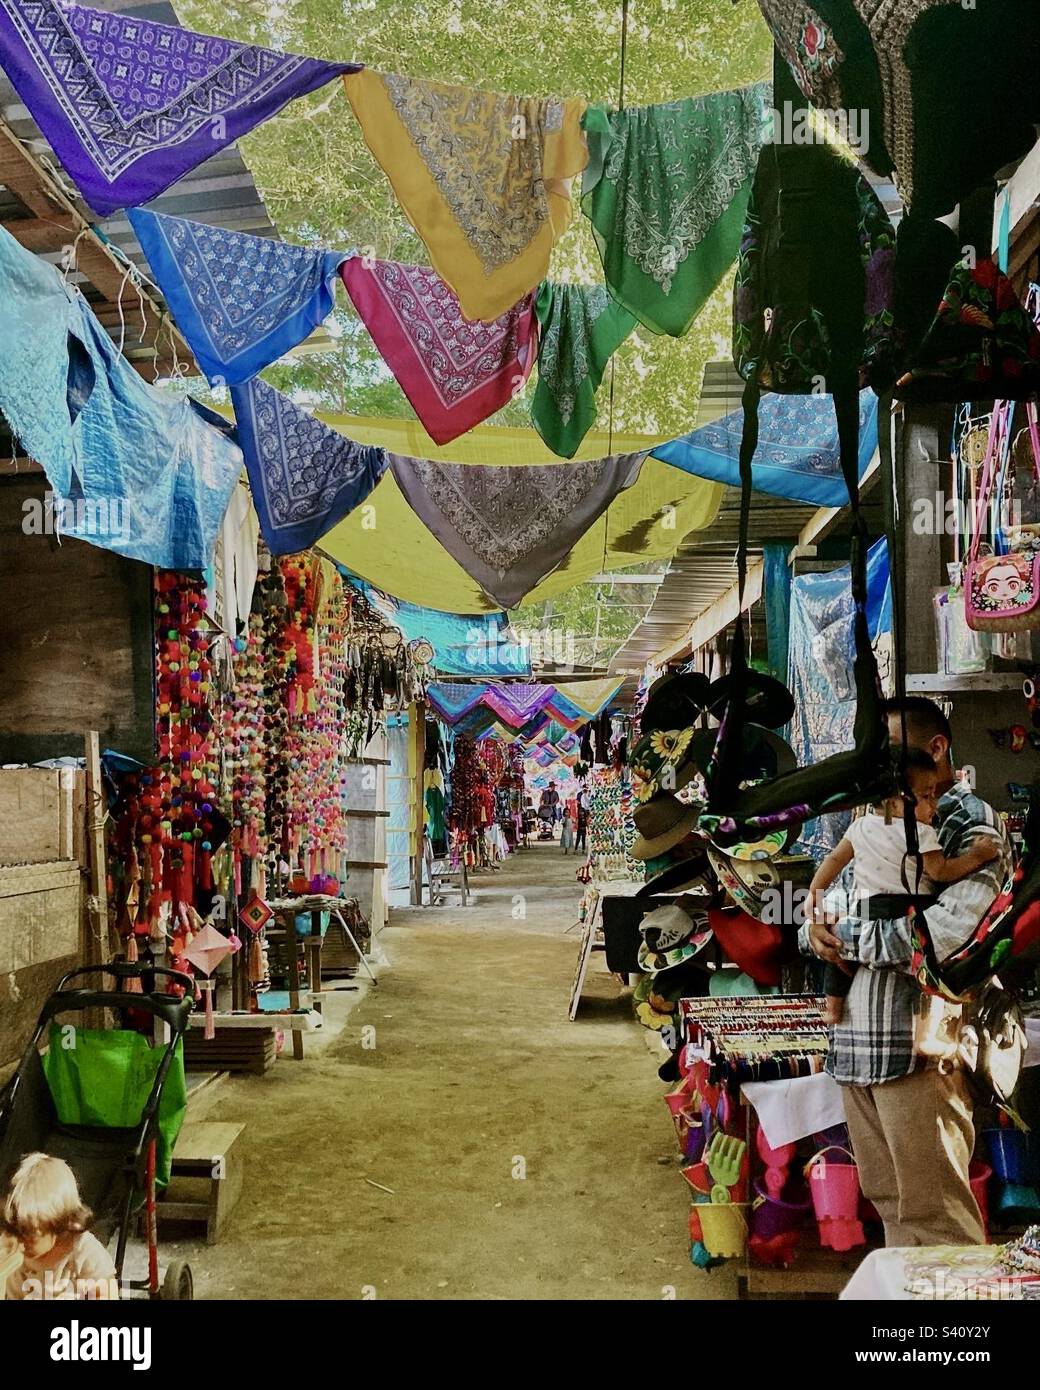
x=322, y=186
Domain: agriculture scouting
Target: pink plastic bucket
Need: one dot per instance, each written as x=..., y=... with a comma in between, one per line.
x=836, y=1195
x=979, y=1175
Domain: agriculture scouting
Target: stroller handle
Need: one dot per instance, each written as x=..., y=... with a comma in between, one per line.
x=165, y=1007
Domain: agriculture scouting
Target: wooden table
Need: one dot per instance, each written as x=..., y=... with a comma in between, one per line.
x=286, y=909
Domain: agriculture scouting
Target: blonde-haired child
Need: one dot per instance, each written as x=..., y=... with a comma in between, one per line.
x=44, y=1215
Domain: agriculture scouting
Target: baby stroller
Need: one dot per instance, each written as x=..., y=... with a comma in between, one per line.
x=114, y=1166
x=546, y=819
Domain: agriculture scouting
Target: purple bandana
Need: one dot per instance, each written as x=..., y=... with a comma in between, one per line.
x=130, y=106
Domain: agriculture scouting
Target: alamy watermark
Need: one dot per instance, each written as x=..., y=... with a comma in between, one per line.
x=51, y=515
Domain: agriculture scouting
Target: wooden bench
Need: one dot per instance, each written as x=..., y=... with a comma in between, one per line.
x=205, y=1178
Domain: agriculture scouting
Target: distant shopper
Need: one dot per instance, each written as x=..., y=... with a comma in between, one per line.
x=567, y=834
x=582, y=822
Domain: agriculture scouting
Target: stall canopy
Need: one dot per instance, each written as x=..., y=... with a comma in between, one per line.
x=386, y=542
x=476, y=707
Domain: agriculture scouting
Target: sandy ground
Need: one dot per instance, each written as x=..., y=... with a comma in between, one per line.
x=528, y=1157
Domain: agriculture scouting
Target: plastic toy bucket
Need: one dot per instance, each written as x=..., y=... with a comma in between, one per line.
x=771, y=1217
x=979, y=1175
x=723, y=1228
x=694, y=1142
x=835, y=1191
x=1015, y=1156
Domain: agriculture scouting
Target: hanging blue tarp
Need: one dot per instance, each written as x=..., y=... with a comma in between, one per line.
x=797, y=455
x=820, y=674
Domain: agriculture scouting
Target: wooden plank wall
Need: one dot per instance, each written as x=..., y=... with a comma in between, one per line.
x=75, y=641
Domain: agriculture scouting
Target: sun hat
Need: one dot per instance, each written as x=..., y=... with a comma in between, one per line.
x=675, y=700
x=662, y=822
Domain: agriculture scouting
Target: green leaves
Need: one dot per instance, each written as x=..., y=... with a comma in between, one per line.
x=321, y=185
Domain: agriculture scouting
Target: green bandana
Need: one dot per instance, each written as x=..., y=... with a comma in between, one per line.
x=666, y=189
x=581, y=328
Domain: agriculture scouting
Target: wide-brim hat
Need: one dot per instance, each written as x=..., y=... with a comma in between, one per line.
x=692, y=871
x=662, y=823
x=656, y=962
x=660, y=761
x=764, y=753
x=667, y=926
x=766, y=700
x=757, y=885
x=674, y=701
x=758, y=948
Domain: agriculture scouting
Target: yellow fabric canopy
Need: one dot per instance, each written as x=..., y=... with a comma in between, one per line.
x=590, y=696
x=384, y=541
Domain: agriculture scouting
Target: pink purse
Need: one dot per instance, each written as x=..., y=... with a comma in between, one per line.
x=1002, y=592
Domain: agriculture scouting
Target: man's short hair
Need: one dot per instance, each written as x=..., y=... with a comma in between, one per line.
x=924, y=718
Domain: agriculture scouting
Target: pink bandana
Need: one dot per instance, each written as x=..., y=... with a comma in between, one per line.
x=455, y=372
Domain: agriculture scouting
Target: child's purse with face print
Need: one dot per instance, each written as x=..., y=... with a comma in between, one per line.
x=1002, y=592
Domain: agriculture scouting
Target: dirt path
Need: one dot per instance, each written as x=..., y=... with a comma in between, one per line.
x=476, y=1077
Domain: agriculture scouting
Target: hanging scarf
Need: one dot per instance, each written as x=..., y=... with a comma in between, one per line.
x=517, y=704
x=482, y=178
x=240, y=301
x=38, y=312
x=454, y=372
x=130, y=106
x=666, y=190
x=510, y=527
x=582, y=326
x=798, y=456
x=304, y=477
x=153, y=472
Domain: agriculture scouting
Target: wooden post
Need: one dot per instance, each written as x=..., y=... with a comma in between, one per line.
x=96, y=946
x=417, y=729
x=923, y=434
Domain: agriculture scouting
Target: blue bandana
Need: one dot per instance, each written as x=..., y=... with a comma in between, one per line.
x=797, y=455
x=304, y=477
x=241, y=301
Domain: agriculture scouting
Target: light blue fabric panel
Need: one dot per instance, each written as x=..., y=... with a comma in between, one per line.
x=797, y=455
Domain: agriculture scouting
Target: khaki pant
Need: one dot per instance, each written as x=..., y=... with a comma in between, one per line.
x=913, y=1138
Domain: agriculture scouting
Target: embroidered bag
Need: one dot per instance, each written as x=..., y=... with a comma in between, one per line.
x=1001, y=592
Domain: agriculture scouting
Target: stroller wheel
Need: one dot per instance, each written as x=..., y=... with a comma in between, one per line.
x=178, y=1284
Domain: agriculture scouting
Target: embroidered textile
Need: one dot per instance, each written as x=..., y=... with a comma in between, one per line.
x=666, y=190
x=510, y=527
x=304, y=477
x=128, y=105
x=454, y=371
x=240, y=301
x=483, y=178
x=582, y=327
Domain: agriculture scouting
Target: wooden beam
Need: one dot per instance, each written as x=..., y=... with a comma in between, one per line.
x=716, y=617
x=58, y=222
x=824, y=519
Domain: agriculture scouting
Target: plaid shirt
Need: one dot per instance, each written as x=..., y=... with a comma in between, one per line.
x=875, y=1040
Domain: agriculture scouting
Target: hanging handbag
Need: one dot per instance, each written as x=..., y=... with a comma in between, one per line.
x=1001, y=592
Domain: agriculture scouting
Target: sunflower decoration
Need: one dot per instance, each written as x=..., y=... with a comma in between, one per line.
x=670, y=744
x=644, y=783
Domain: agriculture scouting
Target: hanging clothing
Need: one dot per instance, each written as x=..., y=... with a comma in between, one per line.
x=231, y=579
x=304, y=477
x=130, y=106
x=666, y=190
x=240, y=301
x=510, y=527
x=39, y=313
x=582, y=327
x=454, y=372
x=483, y=178
x=153, y=472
